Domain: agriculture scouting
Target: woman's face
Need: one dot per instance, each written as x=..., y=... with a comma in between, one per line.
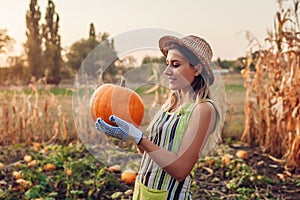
x=179, y=71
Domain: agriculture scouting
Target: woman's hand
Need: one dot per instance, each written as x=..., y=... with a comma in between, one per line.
x=122, y=131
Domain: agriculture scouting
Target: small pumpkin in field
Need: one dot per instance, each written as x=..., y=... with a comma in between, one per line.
x=114, y=168
x=49, y=167
x=242, y=154
x=69, y=172
x=109, y=99
x=1, y=165
x=27, y=158
x=226, y=159
x=128, y=176
x=32, y=163
x=17, y=174
x=22, y=182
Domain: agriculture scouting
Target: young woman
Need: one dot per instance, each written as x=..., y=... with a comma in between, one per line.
x=181, y=129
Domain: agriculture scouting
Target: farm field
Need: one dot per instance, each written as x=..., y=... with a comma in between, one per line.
x=64, y=169
x=71, y=172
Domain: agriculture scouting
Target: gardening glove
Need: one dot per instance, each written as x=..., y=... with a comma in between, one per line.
x=122, y=131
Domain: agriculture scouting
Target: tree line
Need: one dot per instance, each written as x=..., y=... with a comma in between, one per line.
x=43, y=51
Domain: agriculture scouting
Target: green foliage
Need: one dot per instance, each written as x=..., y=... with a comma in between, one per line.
x=33, y=46
x=4, y=74
x=16, y=73
x=94, y=55
x=17, y=68
x=298, y=183
x=151, y=60
x=43, y=45
x=78, y=52
x=5, y=41
x=238, y=64
x=235, y=65
x=88, y=178
x=52, y=53
x=226, y=64
x=236, y=178
x=235, y=88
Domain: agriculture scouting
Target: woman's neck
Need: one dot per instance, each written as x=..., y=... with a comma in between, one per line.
x=183, y=97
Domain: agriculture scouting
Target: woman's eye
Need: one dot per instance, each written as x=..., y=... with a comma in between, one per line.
x=173, y=65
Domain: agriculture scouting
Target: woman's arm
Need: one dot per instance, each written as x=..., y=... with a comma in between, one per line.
x=180, y=164
x=140, y=148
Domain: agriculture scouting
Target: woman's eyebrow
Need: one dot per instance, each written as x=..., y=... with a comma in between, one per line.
x=174, y=60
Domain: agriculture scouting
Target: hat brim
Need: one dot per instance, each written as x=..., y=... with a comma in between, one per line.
x=167, y=40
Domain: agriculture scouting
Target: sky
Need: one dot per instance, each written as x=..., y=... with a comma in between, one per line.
x=223, y=23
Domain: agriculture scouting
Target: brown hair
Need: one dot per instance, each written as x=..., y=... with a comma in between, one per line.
x=199, y=87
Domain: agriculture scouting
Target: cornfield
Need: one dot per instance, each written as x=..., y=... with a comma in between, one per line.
x=32, y=114
x=272, y=105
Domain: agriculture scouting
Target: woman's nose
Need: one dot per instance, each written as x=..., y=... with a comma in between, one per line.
x=168, y=70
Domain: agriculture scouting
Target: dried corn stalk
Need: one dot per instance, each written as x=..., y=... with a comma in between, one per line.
x=272, y=105
x=33, y=117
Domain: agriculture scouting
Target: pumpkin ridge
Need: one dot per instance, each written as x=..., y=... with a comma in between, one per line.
x=135, y=104
x=100, y=103
x=106, y=105
x=122, y=94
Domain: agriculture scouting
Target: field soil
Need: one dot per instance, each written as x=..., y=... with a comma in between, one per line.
x=259, y=176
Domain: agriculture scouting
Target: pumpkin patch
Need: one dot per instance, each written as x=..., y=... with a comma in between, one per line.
x=109, y=99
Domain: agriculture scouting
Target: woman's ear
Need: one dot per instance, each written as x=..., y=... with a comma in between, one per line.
x=198, y=69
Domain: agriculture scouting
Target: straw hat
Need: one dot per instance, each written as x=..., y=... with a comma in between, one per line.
x=195, y=44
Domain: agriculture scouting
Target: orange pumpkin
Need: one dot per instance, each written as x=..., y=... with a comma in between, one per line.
x=49, y=167
x=114, y=168
x=1, y=165
x=109, y=99
x=32, y=163
x=128, y=176
x=27, y=158
x=17, y=174
x=242, y=154
x=69, y=172
x=226, y=159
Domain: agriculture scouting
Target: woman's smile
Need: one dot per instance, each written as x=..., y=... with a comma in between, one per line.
x=179, y=71
x=172, y=79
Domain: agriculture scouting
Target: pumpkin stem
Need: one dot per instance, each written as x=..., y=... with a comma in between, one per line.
x=123, y=81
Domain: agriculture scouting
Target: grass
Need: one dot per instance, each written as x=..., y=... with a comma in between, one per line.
x=235, y=88
x=57, y=91
x=235, y=101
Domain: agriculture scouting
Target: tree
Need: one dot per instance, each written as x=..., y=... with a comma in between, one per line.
x=17, y=67
x=52, y=54
x=96, y=55
x=5, y=41
x=33, y=46
x=92, y=34
x=150, y=60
